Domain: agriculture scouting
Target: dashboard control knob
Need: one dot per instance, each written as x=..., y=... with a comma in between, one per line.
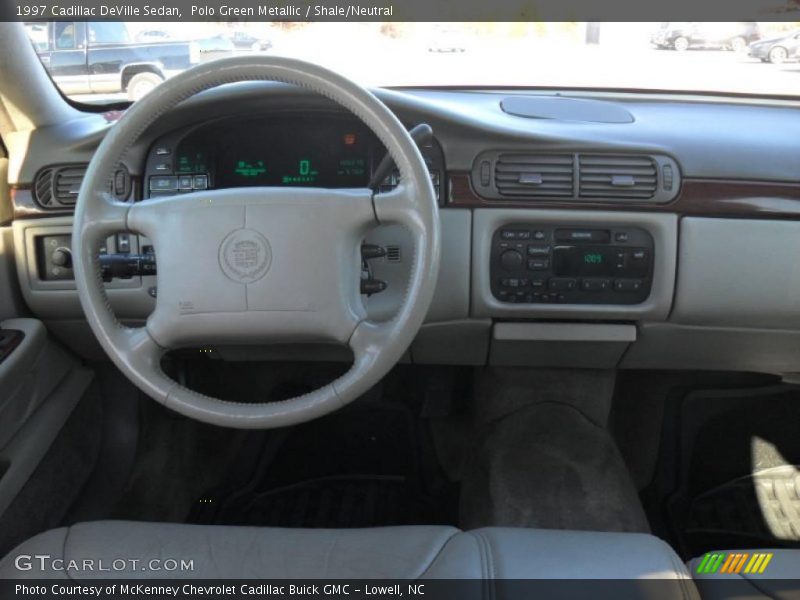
x=62, y=257
x=370, y=251
x=372, y=286
x=511, y=260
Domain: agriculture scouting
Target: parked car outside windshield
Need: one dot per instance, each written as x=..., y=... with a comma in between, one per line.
x=706, y=57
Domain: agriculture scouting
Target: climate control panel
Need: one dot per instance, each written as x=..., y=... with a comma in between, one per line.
x=533, y=263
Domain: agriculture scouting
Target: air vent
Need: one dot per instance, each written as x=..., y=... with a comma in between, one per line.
x=534, y=175
x=58, y=187
x=617, y=176
x=520, y=176
x=43, y=188
x=67, y=185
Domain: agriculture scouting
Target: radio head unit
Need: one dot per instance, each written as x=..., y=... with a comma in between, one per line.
x=571, y=265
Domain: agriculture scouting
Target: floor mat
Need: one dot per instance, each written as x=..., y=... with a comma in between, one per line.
x=737, y=483
x=757, y=509
x=359, y=467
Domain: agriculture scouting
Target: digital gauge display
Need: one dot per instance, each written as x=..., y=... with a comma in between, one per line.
x=293, y=152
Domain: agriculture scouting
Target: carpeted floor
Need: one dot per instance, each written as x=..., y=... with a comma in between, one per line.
x=542, y=456
x=548, y=466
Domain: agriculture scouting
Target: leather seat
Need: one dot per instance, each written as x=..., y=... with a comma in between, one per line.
x=391, y=552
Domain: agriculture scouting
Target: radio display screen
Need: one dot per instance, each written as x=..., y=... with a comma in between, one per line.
x=585, y=261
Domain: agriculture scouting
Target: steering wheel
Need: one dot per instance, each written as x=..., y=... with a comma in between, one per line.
x=261, y=264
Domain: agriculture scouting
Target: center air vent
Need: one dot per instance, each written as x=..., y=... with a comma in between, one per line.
x=57, y=187
x=545, y=175
x=617, y=176
x=591, y=177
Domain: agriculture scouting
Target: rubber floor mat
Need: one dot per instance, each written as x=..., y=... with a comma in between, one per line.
x=763, y=507
x=738, y=486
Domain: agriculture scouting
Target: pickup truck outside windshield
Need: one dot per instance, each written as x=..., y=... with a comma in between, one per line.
x=115, y=61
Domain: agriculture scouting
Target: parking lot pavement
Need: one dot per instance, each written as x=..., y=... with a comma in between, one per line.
x=549, y=65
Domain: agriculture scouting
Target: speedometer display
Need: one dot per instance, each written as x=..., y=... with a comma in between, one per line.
x=294, y=151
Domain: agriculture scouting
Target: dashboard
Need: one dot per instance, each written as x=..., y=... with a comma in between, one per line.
x=286, y=150
x=666, y=241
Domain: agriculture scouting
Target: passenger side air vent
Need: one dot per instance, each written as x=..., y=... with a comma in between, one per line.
x=617, y=176
x=537, y=175
x=597, y=177
x=57, y=187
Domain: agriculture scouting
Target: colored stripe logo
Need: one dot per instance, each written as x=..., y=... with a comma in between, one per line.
x=734, y=562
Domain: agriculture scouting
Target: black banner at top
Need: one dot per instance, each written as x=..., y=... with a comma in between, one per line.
x=401, y=10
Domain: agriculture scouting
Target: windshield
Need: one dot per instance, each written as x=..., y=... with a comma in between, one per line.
x=114, y=61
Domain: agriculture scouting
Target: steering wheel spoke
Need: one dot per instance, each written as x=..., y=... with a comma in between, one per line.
x=146, y=217
x=109, y=216
x=140, y=354
x=400, y=206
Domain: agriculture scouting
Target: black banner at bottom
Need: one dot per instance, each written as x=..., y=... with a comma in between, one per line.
x=462, y=589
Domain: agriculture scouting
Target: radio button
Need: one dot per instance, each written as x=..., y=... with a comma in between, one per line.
x=595, y=285
x=514, y=282
x=515, y=234
x=538, y=264
x=628, y=285
x=562, y=284
x=538, y=250
x=538, y=284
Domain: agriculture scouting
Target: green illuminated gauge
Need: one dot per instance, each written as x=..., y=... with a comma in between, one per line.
x=250, y=169
x=191, y=162
x=306, y=173
x=352, y=166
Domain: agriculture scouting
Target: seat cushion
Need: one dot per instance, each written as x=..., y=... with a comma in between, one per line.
x=391, y=552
